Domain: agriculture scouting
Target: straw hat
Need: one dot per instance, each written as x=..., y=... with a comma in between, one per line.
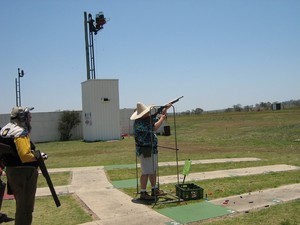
x=140, y=111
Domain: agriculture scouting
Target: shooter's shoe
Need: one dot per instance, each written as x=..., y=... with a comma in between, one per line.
x=4, y=218
x=145, y=196
x=157, y=192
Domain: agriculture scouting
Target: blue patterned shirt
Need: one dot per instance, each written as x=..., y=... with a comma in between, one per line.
x=144, y=134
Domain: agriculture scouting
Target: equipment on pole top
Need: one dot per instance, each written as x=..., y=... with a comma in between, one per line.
x=91, y=27
x=20, y=73
x=97, y=24
x=100, y=20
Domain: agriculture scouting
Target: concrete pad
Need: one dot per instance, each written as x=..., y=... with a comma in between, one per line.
x=260, y=199
x=210, y=175
x=184, y=214
x=227, y=173
x=181, y=163
x=208, y=161
x=109, y=204
x=60, y=190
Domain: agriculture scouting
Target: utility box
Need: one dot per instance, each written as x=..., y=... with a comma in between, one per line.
x=276, y=106
x=167, y=130
x=100, y=110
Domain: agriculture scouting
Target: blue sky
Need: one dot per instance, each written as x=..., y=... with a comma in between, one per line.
x=216, y=53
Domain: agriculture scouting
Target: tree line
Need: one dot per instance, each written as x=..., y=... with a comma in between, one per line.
x=262, y=106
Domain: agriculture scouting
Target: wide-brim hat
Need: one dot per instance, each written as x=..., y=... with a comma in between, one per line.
x=141, y=110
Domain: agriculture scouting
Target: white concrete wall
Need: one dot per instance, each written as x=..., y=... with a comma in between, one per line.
x=45, y=126
x=126, y=123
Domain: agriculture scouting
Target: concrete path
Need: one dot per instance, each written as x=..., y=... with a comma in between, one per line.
x=227, y=173
x=111, y=206
x=260, y=199
x=208, y=161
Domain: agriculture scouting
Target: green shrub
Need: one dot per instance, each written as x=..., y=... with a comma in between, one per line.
x=67, y=122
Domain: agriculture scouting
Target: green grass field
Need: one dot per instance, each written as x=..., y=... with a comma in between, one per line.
x=272, y=136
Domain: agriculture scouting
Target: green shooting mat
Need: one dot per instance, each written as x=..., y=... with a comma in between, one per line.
x=122, y=166
x=129, y=183
x=194, y=212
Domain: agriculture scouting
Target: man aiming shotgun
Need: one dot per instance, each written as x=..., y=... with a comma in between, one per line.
x=145, y=127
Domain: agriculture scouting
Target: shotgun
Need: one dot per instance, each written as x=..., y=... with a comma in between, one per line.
x=161, y=108
x=45, y=173
x=6, y=149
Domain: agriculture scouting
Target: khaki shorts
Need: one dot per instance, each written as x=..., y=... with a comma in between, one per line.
x=149, y=164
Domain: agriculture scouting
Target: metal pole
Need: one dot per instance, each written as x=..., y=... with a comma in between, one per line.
x=137, y=174
x=92, y=52
x=87, y=46
x=16, y=84
x=18, y=87
x=19, y=90
x=176, y=146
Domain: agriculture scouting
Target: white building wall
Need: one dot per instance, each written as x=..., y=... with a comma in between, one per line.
x=126, y=123
x=100, y=109
x=45, y=126
x=45, y=122
x=4, y=119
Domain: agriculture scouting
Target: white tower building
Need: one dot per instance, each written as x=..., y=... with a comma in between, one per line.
x=100, y=110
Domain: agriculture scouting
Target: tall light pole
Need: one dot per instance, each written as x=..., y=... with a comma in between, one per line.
x=91, y=27
x=18, y=87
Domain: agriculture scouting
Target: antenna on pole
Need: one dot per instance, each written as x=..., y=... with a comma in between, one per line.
x=18, y=87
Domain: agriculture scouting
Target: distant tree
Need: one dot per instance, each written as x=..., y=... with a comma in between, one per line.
x=198, y=111
x=229, y=110
x=248, y=108
x=291, y=103
x=188, y=112
x=265, y=105
x=237, y=108
x=67, y=122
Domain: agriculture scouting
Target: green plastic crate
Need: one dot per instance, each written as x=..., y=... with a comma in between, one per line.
x=189, y=191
